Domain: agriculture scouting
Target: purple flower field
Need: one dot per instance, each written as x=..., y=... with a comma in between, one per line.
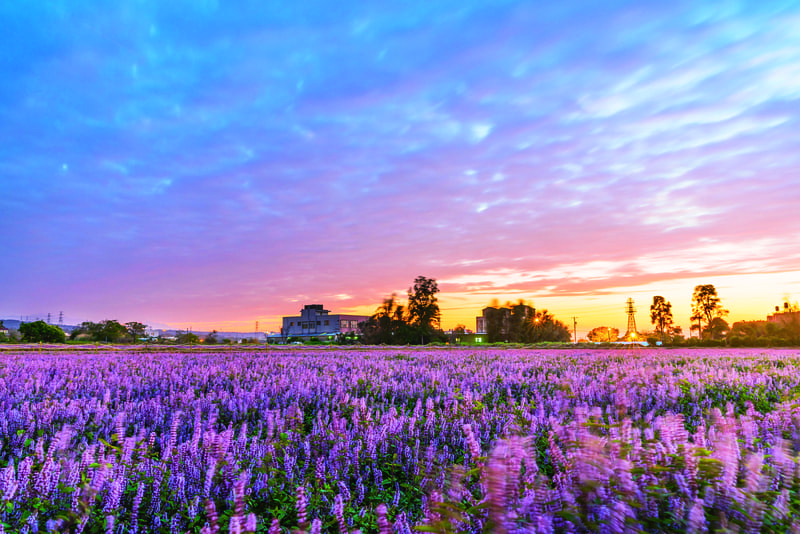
x=393, y=440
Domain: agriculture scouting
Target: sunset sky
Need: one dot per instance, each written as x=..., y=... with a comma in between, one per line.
x=208, y=163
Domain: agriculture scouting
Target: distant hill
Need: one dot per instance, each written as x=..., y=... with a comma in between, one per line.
x=13, y=324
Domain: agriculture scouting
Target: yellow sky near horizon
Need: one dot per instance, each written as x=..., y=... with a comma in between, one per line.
x=747, y=296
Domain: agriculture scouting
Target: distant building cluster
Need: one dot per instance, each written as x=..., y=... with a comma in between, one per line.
x=315, y=321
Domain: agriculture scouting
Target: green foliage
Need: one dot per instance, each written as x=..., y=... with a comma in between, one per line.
x=211, y=338
x=107, y=331
x=185, y=337
x=423, y=307
x=392, y=324
x=135, y=330
x=41, y=331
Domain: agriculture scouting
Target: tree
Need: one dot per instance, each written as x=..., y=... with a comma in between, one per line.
x=136, y=330
x=544, y=327
x=518, y=321
x=460, y=329
x=718, y=328
x=211, y=338
x=603, y=334
x=108, y=330
x=423, y=307
x=661, y=314
x=185, y=336
x=706, y=305
x=41, y=331
x=387, y=325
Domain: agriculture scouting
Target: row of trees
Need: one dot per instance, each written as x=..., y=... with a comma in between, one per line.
x=109, y=331
x=708, y=320
x=707, y=312
x=418, y=322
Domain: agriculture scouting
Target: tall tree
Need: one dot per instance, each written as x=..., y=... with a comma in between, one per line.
x=387, y=325
x=706, y=305
x=518, y=320
x=135, y=329
x=661, y=314
x=423, y=307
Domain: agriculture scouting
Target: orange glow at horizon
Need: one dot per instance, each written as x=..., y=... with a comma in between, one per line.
x=747, y=296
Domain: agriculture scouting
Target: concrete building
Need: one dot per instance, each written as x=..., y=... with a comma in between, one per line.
x=501, y=318
x=786, y=316
x=315, y=321
x=480, y=325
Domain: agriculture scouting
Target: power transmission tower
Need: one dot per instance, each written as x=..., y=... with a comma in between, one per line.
x=630, y=332
x=48, y=317
x=61, y=317
x=575, y=328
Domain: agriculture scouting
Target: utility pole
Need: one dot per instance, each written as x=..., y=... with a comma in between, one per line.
x=575, y=328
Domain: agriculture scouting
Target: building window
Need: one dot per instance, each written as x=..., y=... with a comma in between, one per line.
x=318, y=323
x=327, y=322
x=291, y=324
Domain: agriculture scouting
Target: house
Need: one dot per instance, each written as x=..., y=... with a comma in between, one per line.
x=315, y=321
x=3, y=329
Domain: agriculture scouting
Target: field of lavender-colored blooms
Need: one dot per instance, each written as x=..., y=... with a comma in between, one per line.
x=389, y=440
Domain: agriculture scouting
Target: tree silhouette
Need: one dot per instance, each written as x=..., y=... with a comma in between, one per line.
x=602, y=334
x=706, y=305
x=661, y=314
x=423, y=307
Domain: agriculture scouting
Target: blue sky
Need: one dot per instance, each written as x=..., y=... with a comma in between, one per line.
x=215, y=163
